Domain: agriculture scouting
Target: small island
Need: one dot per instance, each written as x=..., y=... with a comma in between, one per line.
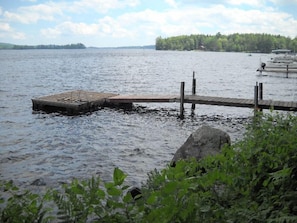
x=8, y=46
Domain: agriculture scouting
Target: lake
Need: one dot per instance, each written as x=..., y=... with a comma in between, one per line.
x=57, y=148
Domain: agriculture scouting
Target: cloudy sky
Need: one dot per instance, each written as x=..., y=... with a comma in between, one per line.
x=105, y=23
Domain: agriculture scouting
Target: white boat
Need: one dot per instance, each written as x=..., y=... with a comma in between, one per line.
x=284, y=61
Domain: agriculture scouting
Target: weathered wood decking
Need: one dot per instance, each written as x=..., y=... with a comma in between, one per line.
x=281, y=71
x=144, y=99
x=77, y=102
x=207, y=100
x=72, y=103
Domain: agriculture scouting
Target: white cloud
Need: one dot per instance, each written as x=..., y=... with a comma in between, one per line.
x=194, y=20
x=114, y=27
x=101, y=6
x=78, y=28
x=255, y=3
x=32, y=14
x=147, y=24
x=18, y=36
x=50, y=33
x=29, y=0
x=172, y=3
x=106, y=26
x=5, y=27
x=218, y=18
x=284, y=2
x=7, y=31
x=51, y=11
x=70, y=28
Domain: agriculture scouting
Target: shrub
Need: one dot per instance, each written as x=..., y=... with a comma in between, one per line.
x=251, y=181
x=23, y=206
x=255, y=180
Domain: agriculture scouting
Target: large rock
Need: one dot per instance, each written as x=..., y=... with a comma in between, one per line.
x=204, y=141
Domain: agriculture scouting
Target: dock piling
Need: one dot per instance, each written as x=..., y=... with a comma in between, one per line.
x=256, y=101
x=260, y=91
x=193, y=89
x=182, y=99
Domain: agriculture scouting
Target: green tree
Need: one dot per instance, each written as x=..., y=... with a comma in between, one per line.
x=234, y=42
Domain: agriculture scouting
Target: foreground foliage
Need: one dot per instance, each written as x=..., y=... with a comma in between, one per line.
x=252, y=181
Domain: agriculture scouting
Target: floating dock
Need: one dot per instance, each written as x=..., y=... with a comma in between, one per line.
x=74, y=102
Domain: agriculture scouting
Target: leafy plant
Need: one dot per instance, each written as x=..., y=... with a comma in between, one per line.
x=23, y=206
x=255, y=180
x=93, y=200
x=252, y=181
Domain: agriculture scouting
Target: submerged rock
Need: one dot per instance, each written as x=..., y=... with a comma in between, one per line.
x=203, y=142
x=38, y=182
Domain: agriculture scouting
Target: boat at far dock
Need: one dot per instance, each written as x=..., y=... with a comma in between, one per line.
x=283, y=61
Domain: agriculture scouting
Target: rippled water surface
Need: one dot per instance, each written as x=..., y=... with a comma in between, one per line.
x=56, y=148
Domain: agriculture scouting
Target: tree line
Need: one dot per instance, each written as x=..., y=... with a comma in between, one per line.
x=260, y=43
x=51, y=46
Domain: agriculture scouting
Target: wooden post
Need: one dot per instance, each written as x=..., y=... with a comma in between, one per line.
x=182, y=98
x=256, y=102
x=260, y=91
x=193, y=88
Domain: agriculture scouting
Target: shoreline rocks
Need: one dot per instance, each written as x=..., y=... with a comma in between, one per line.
x=203, y=142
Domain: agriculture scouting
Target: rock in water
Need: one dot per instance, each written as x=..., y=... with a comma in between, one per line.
x=203, y=142
x=38, y=182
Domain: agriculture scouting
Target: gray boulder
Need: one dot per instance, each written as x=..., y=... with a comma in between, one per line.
x=203, y=142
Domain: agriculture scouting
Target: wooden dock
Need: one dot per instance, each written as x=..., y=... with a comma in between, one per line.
x=206, y=100
x=239, y=102
x=77, y=102
x=288, y=70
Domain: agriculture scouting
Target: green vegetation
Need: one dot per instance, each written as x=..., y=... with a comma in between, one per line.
x=254, y=180
x=26, y=47
x=262, y=43
x=6, y=46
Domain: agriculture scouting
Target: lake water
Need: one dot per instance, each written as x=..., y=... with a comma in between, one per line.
x=57, y=148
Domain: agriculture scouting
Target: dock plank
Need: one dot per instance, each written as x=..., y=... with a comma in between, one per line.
x=144, y=99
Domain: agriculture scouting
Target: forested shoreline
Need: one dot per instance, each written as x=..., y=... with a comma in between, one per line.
x=50, y=46
x=260, y=43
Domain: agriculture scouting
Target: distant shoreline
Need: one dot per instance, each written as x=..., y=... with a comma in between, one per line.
x=9, y=46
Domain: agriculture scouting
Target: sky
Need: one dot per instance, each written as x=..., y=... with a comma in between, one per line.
x=114, y=23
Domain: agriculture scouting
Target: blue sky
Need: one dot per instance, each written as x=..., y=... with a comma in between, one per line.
x=111, y=23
